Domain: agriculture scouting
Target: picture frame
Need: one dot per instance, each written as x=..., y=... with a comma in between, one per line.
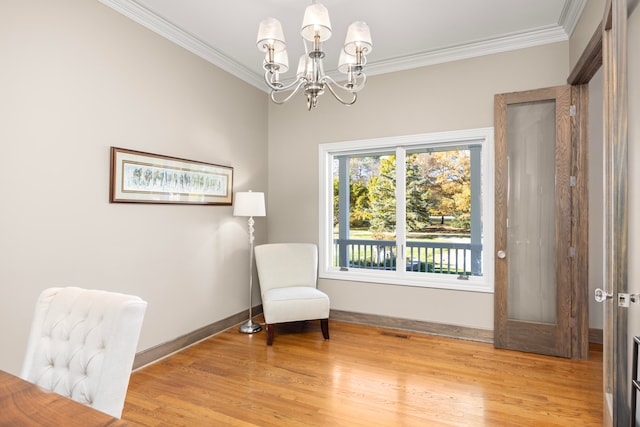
x=139, y=177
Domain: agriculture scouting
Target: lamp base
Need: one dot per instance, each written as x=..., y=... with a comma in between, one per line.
x=250, y=327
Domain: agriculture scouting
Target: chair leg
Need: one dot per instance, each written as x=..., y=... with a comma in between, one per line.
x=270, y=329
x=324, y=325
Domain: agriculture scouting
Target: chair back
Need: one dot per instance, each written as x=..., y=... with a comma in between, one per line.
x=283, y=265
x=82, y=345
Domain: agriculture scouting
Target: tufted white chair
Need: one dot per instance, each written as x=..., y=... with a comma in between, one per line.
x=288, y=274
x=82, y=345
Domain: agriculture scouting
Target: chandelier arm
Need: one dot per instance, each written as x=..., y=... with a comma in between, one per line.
x=360, y=86
x=280, y=88
x=291, y=95
x=329, y=85
x=355, y=88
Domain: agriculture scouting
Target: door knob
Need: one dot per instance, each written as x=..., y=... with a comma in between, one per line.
x=601, y=295
x=502, y=254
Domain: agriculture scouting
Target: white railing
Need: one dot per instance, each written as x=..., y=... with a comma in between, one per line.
x=421, y=256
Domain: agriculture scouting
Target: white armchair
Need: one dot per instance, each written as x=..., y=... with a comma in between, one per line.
x=82, y=345
x=288, y=274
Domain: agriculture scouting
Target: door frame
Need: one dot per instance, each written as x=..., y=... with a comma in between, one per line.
x=614, y=60
x=608, y=48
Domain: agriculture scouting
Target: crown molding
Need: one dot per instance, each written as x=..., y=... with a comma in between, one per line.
x=570, y=15
x=553, y=34
x=470, y=50
x=155, y=23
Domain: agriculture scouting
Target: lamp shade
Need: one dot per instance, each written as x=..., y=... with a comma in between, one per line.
x=281, y=59
x=305, y=67
x=358, y=36
x=345, y=62
x=316, y=21
x=271, y=35
x=249, y=204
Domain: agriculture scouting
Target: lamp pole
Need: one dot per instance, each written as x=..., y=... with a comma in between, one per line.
x=250, y=327
x=250, y=204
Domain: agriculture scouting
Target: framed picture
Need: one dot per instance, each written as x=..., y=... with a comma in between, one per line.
x=138, y=177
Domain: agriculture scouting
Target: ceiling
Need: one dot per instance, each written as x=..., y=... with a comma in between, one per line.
x=406, y=33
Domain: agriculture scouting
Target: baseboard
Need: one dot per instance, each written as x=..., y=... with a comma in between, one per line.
x=595, y=336
x=160, y=351
x=462, y=332
x=163, y=350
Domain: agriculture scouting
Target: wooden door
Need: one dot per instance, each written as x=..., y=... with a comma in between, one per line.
x=533, y=289
x=617, y=381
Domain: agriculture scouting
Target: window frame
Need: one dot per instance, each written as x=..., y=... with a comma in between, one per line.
x=326, y=152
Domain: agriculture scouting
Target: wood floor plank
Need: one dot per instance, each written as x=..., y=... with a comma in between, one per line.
x=363, y=376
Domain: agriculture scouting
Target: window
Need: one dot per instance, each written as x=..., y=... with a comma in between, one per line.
x=414, y=210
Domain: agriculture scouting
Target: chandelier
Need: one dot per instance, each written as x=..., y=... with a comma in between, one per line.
x=310, y=75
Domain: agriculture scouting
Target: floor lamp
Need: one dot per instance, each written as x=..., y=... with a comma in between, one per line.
x=249, y=204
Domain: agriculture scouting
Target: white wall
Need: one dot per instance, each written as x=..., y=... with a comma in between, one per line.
x=77, y=78
x=589, y=20
x=444, y=97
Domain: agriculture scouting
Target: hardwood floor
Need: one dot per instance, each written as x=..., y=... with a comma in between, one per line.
x=363, y=376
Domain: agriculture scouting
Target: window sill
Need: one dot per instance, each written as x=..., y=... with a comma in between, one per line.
x=421, y=280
